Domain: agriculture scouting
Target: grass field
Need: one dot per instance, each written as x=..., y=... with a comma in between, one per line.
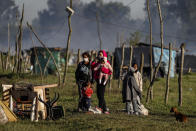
x=159, y=118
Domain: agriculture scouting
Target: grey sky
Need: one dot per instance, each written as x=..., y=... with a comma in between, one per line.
x=33, y=6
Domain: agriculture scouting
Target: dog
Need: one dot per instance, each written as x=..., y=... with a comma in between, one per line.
x=179, y=116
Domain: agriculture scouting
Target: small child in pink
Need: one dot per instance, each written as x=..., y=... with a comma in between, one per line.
x=103, y=68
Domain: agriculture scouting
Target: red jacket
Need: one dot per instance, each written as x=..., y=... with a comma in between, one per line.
x=87, y=92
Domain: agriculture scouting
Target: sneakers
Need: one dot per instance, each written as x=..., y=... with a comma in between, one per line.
x=106, y=112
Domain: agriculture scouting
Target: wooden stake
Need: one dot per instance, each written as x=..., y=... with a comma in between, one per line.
x=111, y=77
x=180, y=75
x=168, y=74
x=68, y=45
x=131, y=56
x=59, y=75
x=142, y=63
x=98, y=31
x=78, y=61
x=121, y=66
x=20, y=43
x=8, y=53
x=36, y=56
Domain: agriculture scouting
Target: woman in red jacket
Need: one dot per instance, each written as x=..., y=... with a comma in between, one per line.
x=98, y=68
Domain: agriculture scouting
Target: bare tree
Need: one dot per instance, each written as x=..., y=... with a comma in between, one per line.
x=160, y=59
x=68, y=44
x=168, y=74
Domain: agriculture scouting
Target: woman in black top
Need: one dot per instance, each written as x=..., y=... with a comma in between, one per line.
x=83, y=75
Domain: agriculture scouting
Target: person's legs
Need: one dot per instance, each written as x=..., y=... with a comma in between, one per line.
x=80, y=96
x=98, y=94
x=106, y=79
x=88, y=103
x=135, y=106
x=102, y=99
x=100, y=77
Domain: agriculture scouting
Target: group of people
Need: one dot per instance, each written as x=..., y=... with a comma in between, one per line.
x=98, y=70
x=86, y=74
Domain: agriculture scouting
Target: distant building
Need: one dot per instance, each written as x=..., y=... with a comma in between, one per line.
x=145, y=48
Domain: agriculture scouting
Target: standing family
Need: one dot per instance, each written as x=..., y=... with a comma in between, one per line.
x=86, y=73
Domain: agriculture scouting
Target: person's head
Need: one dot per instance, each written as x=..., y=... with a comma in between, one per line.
x=135, y=66
x=100, y=54
x=86, y=57
x=102, y=61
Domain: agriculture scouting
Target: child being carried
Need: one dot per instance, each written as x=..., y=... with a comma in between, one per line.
x=103, y=70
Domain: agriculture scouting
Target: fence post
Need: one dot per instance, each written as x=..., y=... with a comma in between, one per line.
x=121, y=66
x=142, y=63
x=168, y=74
x=180, y=75
x=131, y=56
x=78, y=61
x=111, y=77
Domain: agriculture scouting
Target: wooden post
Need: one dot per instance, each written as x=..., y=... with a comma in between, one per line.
x=8, y=53
x=98, y=31
x=150, y=88
x=121, y=66
x=111, y=77
x=142, y=63
x=2, y=62
x=131, y=56
x=68, y=45
x=180, y=75
x=20, y=43
x=168, y=74
x=92, y=55
x=57, y=68
x=78, y=61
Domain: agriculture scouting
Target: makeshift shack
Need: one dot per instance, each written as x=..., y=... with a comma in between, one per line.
x=189, y=63
x=145, y=49
x=45, y=60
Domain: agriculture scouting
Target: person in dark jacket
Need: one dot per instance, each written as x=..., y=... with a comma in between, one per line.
x=83, y=76
x=131, y=91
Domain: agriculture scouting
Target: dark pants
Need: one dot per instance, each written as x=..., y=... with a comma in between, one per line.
x=86, y=103
x=80, y=96
x=100, y=96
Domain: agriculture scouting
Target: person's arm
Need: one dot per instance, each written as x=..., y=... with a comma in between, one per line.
x=97, y=67
x=110, y=67
x=77, y=73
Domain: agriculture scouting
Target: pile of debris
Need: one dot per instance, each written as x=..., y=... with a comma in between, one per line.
x=27, y=101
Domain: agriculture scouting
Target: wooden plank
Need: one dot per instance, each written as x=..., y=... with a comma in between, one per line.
x=10, y=115
x=45, y=86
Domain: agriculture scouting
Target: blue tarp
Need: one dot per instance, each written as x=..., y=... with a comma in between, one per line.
x=165, y=59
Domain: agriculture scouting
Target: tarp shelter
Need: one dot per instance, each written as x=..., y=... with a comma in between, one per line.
x=145, y=49
x=44, y=58
x=189, y=62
